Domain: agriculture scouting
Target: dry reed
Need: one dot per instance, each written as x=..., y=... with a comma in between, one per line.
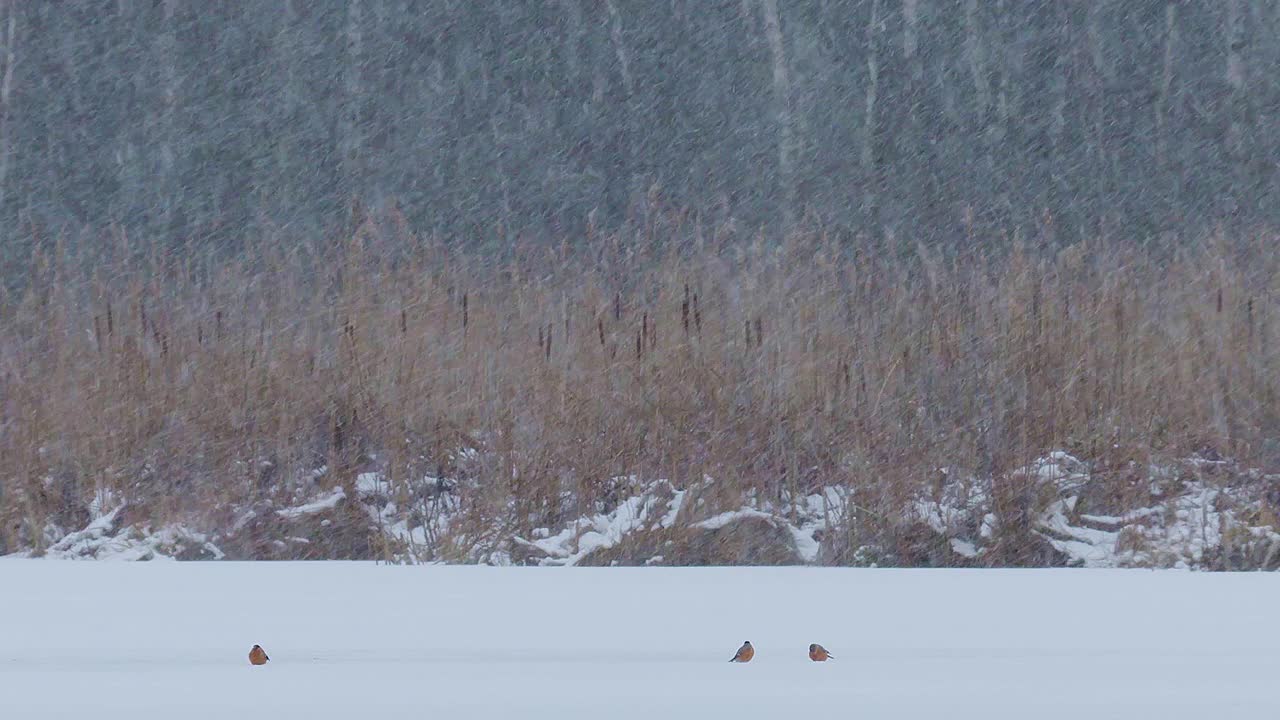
x=187, y=385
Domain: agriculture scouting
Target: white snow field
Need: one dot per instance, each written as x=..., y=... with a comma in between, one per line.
x=355, y=640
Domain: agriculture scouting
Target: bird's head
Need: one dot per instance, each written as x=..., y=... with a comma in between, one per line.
x=813, y=648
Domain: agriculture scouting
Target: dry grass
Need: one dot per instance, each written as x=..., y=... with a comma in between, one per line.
x=187, y=385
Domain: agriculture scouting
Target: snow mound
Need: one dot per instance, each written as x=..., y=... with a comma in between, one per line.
x=661, y=510
x=106, y=539
x=324, y=504
x=1189, y=523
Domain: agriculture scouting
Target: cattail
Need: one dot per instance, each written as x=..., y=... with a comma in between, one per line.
x=697, y=315
x=759, y=332
x=110, y=323
x=465, y=315
x=617, y=306
x=1035, y=308
x=404, y=322
x=684, y=310
x=548, y=351
x=97, y=332
x=600, y=330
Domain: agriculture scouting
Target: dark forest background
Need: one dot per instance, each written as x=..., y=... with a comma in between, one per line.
x=200, y=122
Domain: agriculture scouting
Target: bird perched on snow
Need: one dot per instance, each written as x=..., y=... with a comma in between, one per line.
x=258, y=656
x=744, y=654
x=817, y=653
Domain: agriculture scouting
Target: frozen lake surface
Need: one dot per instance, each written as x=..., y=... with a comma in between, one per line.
x=354, y=640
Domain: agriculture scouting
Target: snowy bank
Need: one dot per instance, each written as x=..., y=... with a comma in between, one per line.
x=1193, y=514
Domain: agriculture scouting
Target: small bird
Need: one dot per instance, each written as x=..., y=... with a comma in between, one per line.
x=744, y=654
x=258, y=656
x=817, y=653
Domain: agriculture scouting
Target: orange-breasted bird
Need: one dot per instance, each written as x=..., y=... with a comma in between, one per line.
x=744, y=654
x=258, y=656
x=817, y=653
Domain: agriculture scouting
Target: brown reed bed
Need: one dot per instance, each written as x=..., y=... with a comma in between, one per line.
x=186, y=385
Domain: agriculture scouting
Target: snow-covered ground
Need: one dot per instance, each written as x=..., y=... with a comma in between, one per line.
x=349, y=640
